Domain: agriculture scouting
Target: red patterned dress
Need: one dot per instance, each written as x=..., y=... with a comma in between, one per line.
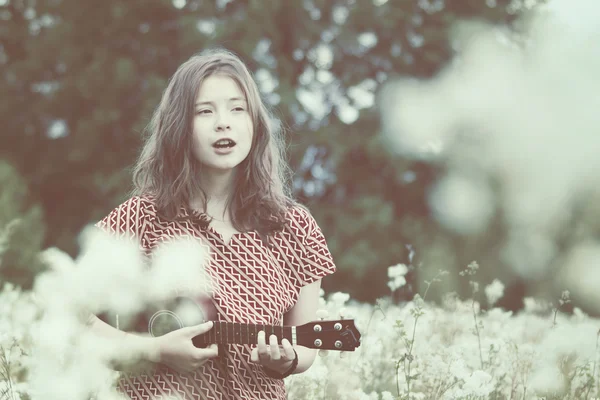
x=256, y=284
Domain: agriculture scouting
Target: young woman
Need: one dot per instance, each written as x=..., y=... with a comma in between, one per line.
x=212, y=168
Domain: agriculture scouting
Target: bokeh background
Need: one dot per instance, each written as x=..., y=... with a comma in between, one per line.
x=426, y=132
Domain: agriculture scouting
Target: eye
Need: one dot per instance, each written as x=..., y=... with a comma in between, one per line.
x=203, y=111
x=239, y=108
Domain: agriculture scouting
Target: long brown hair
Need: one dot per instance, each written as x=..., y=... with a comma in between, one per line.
x=168, y=170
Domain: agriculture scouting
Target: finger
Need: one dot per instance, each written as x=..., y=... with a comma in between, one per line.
x=254, y=355
x=288, y=349
x=263, y=350
x=209, y=352
x=260, y=338
x=199, y=329
x=274, y=347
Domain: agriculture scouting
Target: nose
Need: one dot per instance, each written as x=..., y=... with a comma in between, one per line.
x=222, y=124
x=222, y=127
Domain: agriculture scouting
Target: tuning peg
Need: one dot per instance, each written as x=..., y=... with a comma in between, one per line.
x=343, y=354
x=322, y=314
x=323, y=353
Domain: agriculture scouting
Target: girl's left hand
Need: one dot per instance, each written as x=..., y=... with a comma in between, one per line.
x=275, y=357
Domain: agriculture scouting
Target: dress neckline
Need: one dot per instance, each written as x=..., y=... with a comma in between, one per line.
x=221, y=238
x=204, y=220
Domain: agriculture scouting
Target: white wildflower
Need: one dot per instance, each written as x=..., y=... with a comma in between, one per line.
x=339, y=299
x=57, y=259
x=479, y=384
x=494, y=292
x=358, y=394
x=387, y=396
x=579, y=314
x=532, y=305
x=396, y=274
x=460, y=370
x=109, y=275
x=546, y=379
x=397, y=270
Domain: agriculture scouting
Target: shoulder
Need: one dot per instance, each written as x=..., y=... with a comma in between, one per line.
x=144, y=205
x=300, y=219
x=134, y=210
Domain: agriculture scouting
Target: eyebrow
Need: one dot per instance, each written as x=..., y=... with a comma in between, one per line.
x=211, y=102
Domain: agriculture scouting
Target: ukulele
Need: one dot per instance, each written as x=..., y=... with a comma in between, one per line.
x=341, y=334
x=324, y=335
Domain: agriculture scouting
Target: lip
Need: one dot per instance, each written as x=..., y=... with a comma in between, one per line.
x=224, y=138
x=224, y=150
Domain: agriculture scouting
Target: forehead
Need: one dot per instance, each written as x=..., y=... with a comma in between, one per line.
x=219, y=87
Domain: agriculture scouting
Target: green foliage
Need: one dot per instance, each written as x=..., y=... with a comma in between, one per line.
x=100, y=68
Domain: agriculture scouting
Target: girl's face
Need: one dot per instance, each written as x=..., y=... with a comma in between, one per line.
x=222, y=125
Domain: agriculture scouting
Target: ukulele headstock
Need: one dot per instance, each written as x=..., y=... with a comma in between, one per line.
x=339, y=335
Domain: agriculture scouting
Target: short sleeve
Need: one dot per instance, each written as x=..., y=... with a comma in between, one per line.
x=130, y=220
x=316, y=261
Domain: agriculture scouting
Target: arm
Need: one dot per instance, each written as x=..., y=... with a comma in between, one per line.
x=304, y=311
x=175, y=349
x=314, y=263
x=133, y=348
x=269, y=353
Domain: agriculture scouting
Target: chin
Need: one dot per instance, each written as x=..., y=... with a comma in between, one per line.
x=223, y=167
x=224, y=164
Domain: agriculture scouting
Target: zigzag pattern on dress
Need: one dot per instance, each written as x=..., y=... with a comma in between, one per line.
x=251, y=283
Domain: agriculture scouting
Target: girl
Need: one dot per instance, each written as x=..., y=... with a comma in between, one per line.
x=212, y=168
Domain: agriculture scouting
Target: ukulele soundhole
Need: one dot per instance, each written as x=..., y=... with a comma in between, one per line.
x=179, y=313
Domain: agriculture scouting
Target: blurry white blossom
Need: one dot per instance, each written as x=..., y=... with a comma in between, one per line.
x=177, y=269
x=532, y=305
x=582, y=261
x=339, y=298
x=463, y=203
x=396, y=277
x=547, y=379
x=494, y=291
x=387, y=396
x=514, y=119
x=479, y=384
x=68, y=360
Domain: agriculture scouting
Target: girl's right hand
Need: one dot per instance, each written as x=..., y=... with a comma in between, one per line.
x=178, y=353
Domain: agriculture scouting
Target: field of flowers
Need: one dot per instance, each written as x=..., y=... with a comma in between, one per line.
x=414, y=350
x=420, y=350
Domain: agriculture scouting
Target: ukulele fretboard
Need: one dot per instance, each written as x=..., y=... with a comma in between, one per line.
x=237, y=333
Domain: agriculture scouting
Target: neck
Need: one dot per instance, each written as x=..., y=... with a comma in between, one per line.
x=218, y=188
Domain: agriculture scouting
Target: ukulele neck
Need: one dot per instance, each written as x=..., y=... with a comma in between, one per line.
x=237, y=333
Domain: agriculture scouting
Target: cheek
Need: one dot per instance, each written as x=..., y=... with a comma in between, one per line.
x=198, y=145
x=201, y=125
x=201, y=132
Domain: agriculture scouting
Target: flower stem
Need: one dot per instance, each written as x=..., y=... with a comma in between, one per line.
x=477, y=333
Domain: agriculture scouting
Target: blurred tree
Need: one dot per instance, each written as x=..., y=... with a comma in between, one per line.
x=83, y=78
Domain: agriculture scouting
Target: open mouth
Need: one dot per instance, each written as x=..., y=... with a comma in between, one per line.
x=223, y=144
